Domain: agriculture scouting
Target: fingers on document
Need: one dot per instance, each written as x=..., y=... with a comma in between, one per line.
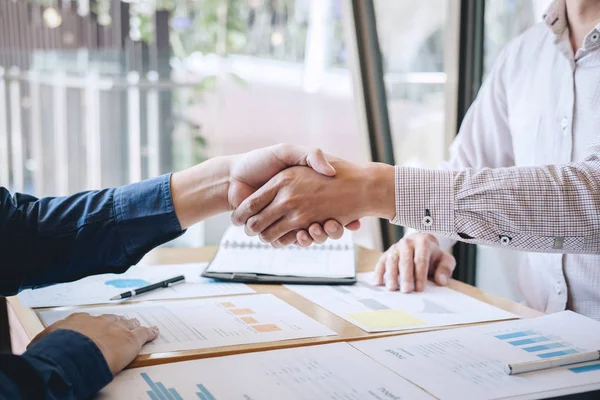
x=144, y=334
x=422, y=257
x=379, y=270
x=406, y=266
x=391, y=271
x=444, y=269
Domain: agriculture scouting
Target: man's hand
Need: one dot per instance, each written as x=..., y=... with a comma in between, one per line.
x=411, y=261
x=297, y=197
x=120, y=340
x=222, y=183
x=250, y=171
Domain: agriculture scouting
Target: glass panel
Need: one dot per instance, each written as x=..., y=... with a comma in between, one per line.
x=412, y=39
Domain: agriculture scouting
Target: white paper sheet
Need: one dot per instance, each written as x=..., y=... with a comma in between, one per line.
x=467, y=363
x=214, y=322
x=326, y=372
x=99, y=289
x=239, y=253
x=374, y=309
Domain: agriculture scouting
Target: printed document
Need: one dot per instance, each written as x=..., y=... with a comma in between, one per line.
x=213, y=322
x=99, y=289
x=375, y=309
x=325, y=372
x=468, y=363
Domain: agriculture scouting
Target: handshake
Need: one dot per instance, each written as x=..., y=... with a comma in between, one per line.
x=285, y=194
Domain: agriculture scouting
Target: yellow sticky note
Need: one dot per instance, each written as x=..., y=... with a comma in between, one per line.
x=382, y=319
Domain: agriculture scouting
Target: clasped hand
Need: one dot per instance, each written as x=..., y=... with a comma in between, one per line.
x=299, y=204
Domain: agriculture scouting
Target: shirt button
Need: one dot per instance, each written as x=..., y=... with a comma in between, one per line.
x=564, y=123
x=558, y=288
x=504, y=240
x=427, y=221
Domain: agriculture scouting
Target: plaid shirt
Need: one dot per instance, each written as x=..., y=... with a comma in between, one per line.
x=525, y=168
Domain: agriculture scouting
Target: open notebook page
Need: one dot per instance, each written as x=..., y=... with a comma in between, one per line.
x=239, y=253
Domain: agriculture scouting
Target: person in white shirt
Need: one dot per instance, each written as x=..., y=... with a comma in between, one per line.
x=540, y=105
x=524, y=174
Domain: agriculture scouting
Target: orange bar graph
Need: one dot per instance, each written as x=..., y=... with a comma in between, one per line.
x=266, y=328
x=249, y=320
x=242, y=311
x=228, y=304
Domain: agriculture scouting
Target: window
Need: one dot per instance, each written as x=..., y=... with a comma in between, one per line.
x=414, y=39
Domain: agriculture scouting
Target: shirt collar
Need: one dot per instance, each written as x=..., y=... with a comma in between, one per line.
x=555, y=18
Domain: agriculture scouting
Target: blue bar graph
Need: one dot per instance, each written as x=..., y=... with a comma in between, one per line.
x=532, y=340
x=585, y=368
x=558, y=353
x=175, y=395
x=159, y=391
x=204, y=394
x=515, y=335
x=152, y=395
x=542, y=347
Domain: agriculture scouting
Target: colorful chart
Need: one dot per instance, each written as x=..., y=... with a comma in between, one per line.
x=544, y=346
x=127, y=283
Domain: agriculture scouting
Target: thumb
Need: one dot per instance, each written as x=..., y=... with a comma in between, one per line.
x=290, y=155
x=444, y=269
x=317, y=160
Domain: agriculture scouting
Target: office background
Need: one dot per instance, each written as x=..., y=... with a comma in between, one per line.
x=102, y=93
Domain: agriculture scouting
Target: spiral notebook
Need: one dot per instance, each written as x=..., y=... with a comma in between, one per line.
x=246, y=259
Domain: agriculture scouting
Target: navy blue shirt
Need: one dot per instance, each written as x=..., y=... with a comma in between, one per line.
x=52, y=240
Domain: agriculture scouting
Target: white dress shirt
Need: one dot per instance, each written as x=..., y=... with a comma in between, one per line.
x=524, y=171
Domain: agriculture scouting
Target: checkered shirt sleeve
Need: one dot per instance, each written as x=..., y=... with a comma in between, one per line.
x=552, y=208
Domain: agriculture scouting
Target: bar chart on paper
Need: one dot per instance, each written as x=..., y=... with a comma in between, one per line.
x=537, y=343
x=374, y=309
x=325, y=372
x=98, y=289
x=468, y=363
x=158, y=391
x=214, y=322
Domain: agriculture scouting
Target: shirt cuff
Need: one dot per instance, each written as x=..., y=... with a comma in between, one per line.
x=145, y=216
x=69, y=362
x=425, y=200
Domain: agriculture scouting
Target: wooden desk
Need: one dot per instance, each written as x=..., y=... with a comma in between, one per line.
x=25, y=323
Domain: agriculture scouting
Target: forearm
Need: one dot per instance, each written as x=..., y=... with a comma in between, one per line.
x=52, y=240
x=201, y=191
x=543, y=209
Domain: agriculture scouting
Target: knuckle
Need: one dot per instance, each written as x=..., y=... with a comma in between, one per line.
x=254, y=203
x=420, y=260
x=253, y=224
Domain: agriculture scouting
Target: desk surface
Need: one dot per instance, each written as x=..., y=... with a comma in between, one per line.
x=25, y=324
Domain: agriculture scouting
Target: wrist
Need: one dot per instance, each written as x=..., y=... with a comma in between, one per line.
x=201, y=191
x=380, y=191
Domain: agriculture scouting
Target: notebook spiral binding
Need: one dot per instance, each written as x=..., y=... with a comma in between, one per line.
x=250, y=246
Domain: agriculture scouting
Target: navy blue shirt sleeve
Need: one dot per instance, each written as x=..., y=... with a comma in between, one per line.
x=52, y=240
x=62, y=365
